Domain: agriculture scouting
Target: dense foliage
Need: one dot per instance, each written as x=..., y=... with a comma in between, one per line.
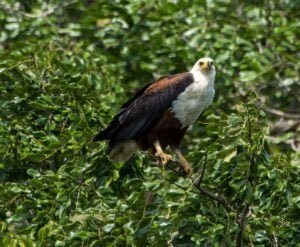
x=66, y=66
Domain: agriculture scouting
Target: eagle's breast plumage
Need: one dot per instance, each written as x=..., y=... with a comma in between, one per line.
x=190, y=104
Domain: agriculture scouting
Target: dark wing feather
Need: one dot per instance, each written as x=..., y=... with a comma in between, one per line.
x=107, y=133
x=142, y=111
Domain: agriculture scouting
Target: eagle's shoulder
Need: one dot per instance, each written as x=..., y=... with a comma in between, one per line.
x=168, y=81
x=160, y=84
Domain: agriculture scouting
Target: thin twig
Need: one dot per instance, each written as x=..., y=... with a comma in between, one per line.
x=241, y=221
x=275, y=240
x=216, y=197
x=267, y=70
x=281, y=113
x=177, y=185
x=15, y=65
x=50, y=10
x=202, y=191
x=242, y=218
x=203, y=171
x=181, y=174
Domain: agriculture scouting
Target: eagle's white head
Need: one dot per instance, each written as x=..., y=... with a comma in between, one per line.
x=204, y=67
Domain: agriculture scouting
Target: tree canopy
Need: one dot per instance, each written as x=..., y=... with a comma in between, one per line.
x=67, y=66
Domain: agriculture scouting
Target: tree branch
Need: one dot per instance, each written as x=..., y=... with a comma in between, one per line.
x=241, y=221
x=216, y=197
x=203, y=171
x=200, y=190
x=281, y=113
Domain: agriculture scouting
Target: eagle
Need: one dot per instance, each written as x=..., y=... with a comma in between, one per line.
x=159, y=114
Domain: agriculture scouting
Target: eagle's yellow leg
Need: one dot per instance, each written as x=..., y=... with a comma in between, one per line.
x=164, y=158
x=183, y=162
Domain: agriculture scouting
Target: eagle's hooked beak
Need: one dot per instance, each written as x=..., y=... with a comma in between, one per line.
x=206, y=65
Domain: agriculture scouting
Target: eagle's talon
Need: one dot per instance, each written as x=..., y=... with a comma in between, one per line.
x=186, y=168
x=185, y=171
x=164, y=158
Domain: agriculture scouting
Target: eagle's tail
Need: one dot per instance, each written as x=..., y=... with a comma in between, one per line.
x=103, y=135
x=107, y=133
x=122, y=152
x=117, y=150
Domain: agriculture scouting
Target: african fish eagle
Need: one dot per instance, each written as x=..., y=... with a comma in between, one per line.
x=159, y=114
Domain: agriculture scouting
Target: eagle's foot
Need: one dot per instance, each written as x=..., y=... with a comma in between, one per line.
x=164, y=158
x=186, y=167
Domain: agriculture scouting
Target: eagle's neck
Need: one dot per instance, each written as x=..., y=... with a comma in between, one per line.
x=204, y=78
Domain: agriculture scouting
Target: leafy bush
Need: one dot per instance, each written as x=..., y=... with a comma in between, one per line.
x=65, y=68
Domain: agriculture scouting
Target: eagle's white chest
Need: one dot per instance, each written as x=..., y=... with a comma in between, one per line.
x=193, y=101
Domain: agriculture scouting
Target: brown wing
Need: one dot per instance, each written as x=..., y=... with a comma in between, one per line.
x=142, y=112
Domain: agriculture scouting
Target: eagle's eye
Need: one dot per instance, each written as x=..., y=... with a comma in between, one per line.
x=212, y=63
x=201, y=63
